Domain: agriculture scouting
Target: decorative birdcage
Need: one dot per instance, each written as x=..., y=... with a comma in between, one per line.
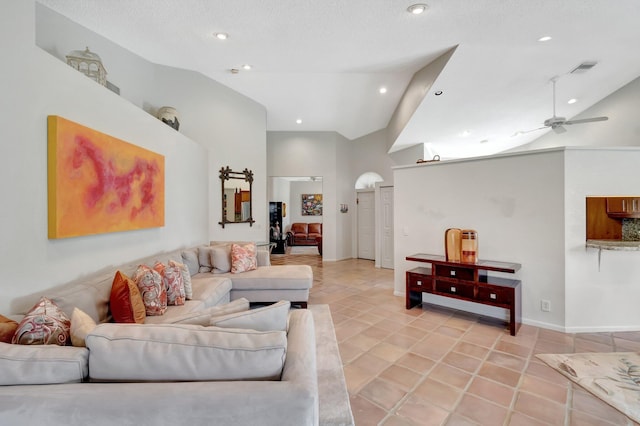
x=89, y=64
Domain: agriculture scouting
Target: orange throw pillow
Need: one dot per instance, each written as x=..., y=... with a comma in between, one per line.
x=126, y=302
x=7, y=329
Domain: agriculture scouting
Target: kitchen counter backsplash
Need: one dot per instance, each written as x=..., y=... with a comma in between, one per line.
x=631, y=229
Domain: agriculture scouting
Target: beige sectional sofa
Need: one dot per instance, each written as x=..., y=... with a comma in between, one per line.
x=193, y=374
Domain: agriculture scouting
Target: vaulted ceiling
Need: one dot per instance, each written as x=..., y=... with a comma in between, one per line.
x=323, y=62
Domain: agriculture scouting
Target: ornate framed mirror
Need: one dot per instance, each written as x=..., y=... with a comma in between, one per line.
x=236, y=196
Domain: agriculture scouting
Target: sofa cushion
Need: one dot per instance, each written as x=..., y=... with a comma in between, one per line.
x=44, y=324
x=202, y=316
x=243, y=258
x=81, y=325
x=197, y=353
x=204, y=259
x=186, y=278
x=126, y=302
x=299, y=229
x=173, y=283
x=272, y=317
x=279, y=277
x=7, y=329
x=221, y=258
x=211, y=289
x=154, y=294
x=42, y=364
x=315, y=229
x=190, y=258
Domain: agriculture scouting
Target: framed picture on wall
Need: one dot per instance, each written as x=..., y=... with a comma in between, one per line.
x=311, y=204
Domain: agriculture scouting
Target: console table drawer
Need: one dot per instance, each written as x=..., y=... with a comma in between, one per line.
x=455, y=288
x=495, y=295
x=454, y=272
x=419, y=282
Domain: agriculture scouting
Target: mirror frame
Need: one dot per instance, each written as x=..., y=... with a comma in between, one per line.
x=247, y=175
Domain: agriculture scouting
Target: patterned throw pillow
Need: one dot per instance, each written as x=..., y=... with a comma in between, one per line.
x=81, y=325
x=243, y=258
x=44, y=324
x=154, y=294
x=186, y=278
x=125, y=302
x=7, y=329
x=173, y=283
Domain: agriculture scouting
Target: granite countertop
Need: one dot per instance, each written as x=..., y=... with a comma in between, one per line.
x=614, y=245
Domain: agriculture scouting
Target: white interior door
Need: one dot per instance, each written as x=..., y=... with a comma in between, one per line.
x=366, y=225
x=386, y=249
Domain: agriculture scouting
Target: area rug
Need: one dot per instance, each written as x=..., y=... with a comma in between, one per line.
x=304, y=250
x=335, y=409
x=612, y=377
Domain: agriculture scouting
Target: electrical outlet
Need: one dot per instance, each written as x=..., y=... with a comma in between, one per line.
x=545, y=306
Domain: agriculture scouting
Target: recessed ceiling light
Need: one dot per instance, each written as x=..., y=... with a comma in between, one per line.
x=221, y=36
x=465, y=133
x=299, y=121
x=572, y=101
x=417, y=9
x=484, y=141
x=438, y=92
x=246, y=67
x=382, y=90
x=545, y=38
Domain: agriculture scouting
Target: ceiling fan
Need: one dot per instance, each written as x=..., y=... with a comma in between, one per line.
x=557, y=123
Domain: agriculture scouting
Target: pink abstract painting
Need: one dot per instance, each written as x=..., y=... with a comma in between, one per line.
x=98, y=183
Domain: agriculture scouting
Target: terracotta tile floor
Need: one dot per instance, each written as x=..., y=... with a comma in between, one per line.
x=436, y=366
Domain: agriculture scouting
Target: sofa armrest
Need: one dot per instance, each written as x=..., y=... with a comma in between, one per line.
x=264, y=257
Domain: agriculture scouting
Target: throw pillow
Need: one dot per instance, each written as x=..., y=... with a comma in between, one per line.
x=81, y=325
x=7, y=329
x=190, y=258
x=173, y=283
x=221, y=258
x=126, y=302
x=269, y=318
x=154, y=294
x=204, y=259
x=186, y=278
x=44, y=324
x=243, y=258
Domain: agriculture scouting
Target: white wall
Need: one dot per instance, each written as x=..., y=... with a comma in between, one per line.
x=605, y=299
x=310, y=154
x=233, y=129
x=34, y=84
x=294, y=210
x=529, y=208
x=231, y=126
x=279, y=189
x=220, y=127
x=516, y=203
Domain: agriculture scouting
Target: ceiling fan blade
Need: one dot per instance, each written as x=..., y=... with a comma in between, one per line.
x=522, y=132
x=559, y=129
x=586, y=120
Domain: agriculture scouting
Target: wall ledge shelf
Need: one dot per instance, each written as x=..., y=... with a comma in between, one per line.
x=615, y=245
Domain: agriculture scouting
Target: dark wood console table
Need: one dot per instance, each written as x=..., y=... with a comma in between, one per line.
x=466, y=281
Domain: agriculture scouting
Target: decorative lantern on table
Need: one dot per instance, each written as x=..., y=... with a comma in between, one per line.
x=89, y=64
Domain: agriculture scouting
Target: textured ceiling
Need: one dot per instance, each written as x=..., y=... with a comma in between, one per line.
x=323, y=61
